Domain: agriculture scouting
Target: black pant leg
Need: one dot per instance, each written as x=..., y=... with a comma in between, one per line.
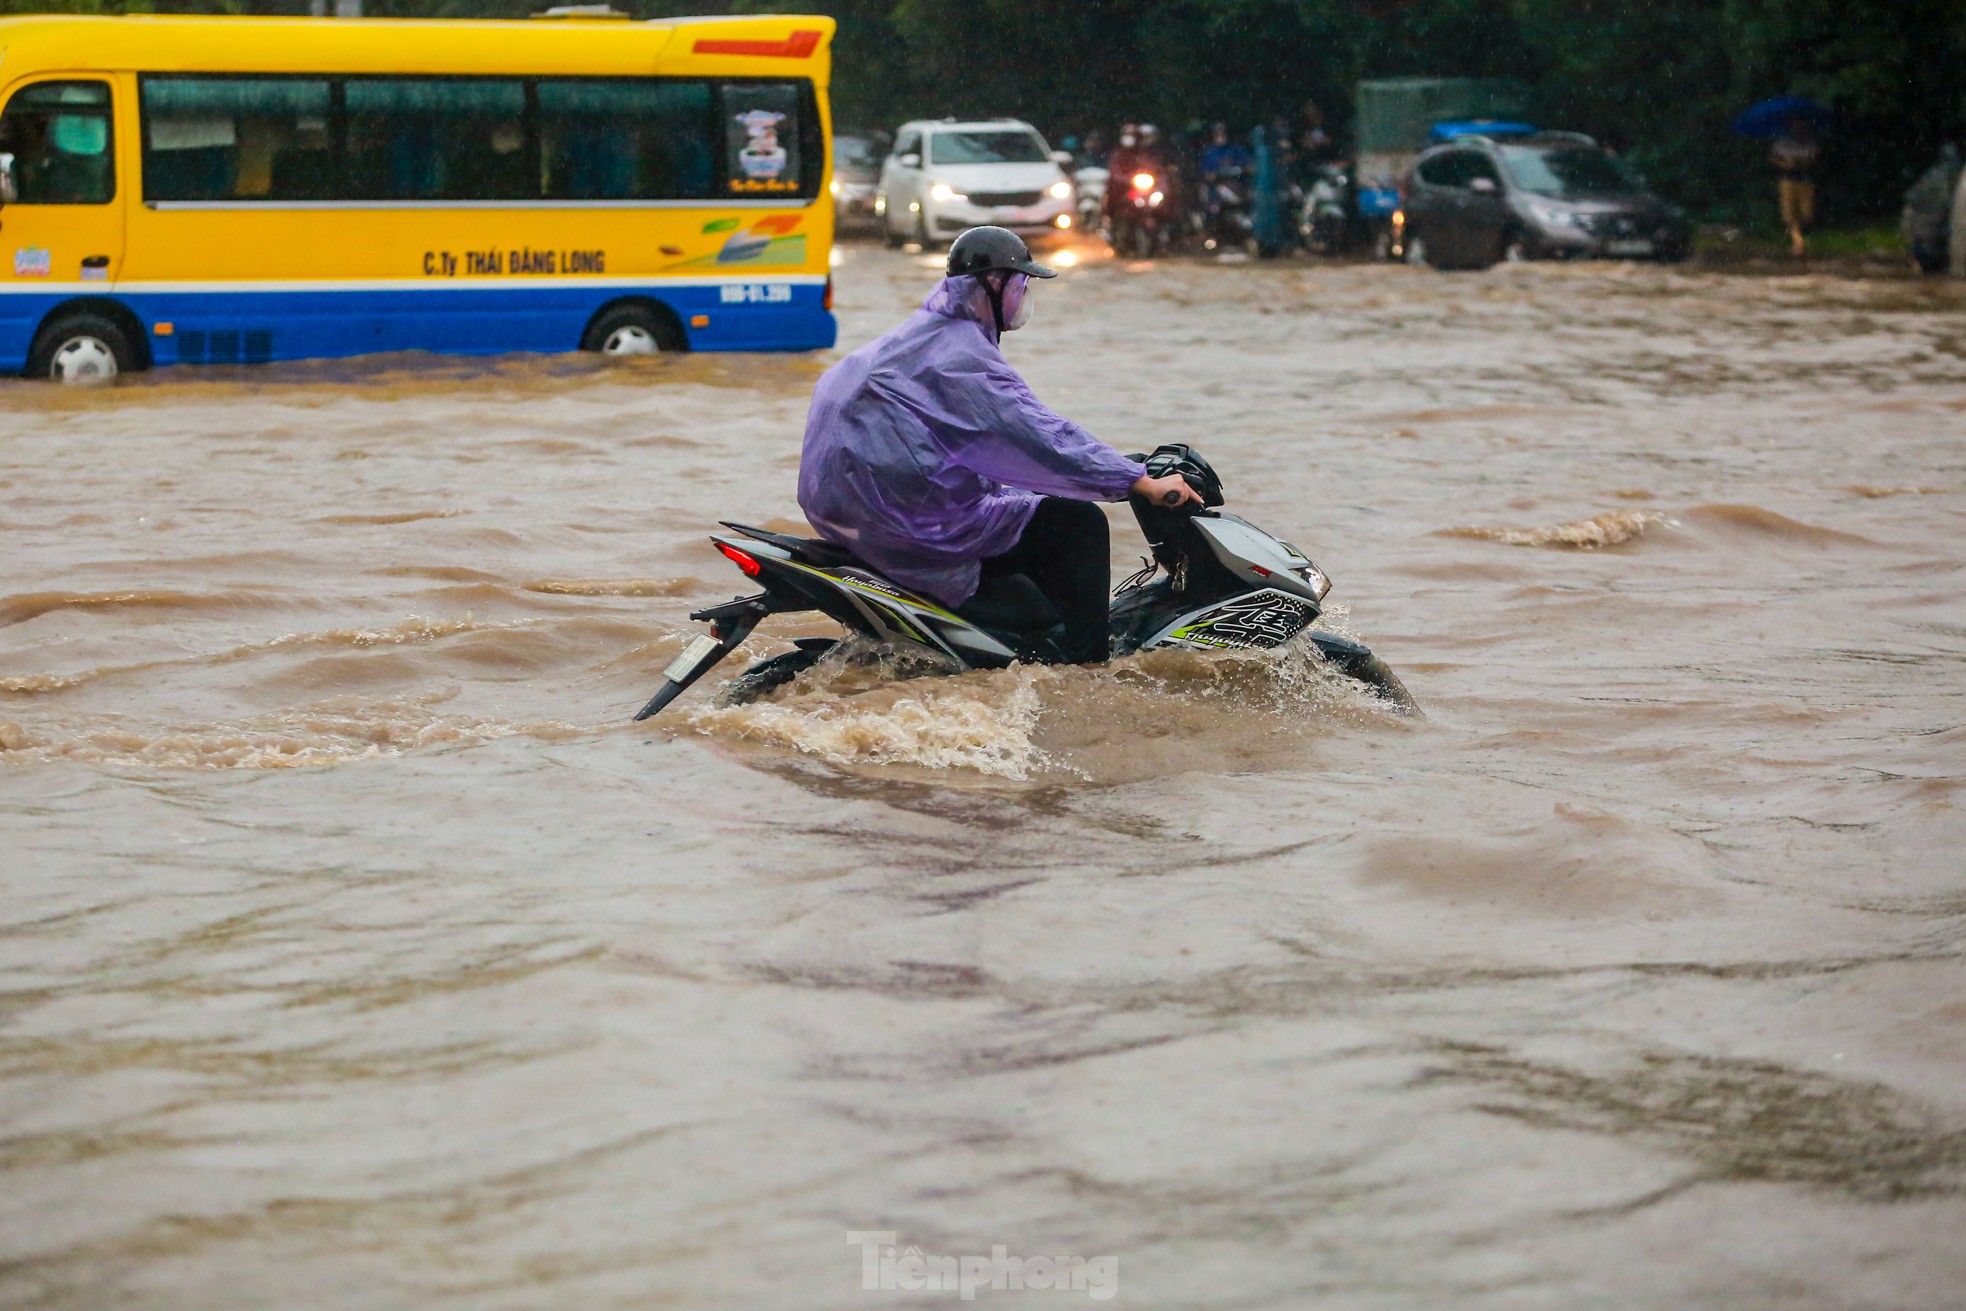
x=1066, y=550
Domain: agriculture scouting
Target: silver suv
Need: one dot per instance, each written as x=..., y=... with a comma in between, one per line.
x=943, y=178
x=1477, y=200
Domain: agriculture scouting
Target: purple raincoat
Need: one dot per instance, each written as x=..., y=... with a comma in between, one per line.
x=925, y=452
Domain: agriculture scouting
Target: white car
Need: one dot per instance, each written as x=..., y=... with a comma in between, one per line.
x=943, y=178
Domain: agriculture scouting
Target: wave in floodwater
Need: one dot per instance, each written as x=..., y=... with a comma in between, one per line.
x=1871, y=493
x=332, y=733
x=23, y=606
x=1731, y=523
x=612, y=586
x=1608, y=529
x=1138, y=716
x=412, y=631
x=1752, y=522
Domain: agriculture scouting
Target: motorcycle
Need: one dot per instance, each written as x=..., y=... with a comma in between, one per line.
x=1227, y=222
x=1216, y=582
x=1138, y=228
x=1325, y=218
x=1089, y=186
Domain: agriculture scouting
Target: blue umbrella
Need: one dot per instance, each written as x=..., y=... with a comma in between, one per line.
x=1771, y=118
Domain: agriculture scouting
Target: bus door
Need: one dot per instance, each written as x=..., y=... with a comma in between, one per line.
x=60, y=225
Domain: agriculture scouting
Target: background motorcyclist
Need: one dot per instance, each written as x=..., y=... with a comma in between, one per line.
x=1224, y=156
x=1121, y=165
x=928, y=457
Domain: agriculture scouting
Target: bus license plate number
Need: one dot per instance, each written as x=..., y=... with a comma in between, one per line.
x=758, y=293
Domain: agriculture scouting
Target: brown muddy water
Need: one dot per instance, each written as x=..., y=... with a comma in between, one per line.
x=357, y=951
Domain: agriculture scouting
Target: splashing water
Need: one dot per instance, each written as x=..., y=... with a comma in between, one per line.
x=866, y=705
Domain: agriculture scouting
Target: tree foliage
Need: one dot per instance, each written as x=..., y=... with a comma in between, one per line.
x=1661, y=79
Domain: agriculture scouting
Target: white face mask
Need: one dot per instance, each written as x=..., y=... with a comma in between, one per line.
x=1017, y=300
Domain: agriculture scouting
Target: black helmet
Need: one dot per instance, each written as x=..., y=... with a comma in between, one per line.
x=983, y=250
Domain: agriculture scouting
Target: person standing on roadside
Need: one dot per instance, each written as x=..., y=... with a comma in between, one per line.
x=1794, y=156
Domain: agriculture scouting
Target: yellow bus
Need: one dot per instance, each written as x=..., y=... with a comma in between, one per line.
x=239, y=190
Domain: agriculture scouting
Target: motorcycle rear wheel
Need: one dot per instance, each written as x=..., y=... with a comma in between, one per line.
x=767, y=676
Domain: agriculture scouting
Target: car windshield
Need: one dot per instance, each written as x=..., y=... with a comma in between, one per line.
x=1569, y=171
x=986, y=147
x=855, y=152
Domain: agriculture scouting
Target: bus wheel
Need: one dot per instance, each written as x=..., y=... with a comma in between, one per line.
x=628, y=330
x=81, y=350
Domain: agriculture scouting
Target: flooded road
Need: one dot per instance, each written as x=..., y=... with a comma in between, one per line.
x=358, y=952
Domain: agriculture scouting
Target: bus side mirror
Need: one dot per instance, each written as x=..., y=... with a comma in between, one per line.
x=9, y=190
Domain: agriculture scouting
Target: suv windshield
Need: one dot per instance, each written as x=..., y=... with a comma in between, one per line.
x=1569, y=171
x=1006, y=147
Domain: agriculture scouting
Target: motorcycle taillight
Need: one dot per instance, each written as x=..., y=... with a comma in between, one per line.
x=747, y=563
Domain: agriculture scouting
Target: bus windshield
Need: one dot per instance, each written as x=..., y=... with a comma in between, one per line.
x=1569, y=171
x=986, y=147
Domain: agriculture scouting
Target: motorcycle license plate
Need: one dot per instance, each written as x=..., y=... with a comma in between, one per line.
x=680, y=667
x=1628, y=248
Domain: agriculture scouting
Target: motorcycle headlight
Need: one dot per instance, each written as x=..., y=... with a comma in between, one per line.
x=1320, y=585
x=1143, y=181
x=1060, y=190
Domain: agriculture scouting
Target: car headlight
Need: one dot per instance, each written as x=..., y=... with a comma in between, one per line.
x=834, y=186
x=943, y=191
x=1060, y=190
x=1554, y=217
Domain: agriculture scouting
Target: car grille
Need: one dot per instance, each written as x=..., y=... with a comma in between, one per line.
x=1615, y=225
x=1001, y=199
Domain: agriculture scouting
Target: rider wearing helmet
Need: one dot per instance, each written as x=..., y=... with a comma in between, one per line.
x=927, y=456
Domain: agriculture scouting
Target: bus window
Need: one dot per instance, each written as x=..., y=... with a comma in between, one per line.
x=236, y=138
x=763, y=138
x=58, y=134
x=625, y=139
x=438, y=139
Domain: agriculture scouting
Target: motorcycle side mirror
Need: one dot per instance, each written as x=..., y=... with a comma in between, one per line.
x=911, y=161
x=1485, y=186
x=9, y=189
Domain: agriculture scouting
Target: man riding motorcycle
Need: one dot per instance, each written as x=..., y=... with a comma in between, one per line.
x=929, y=458
x=1139, y=152
x=1224, y=157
